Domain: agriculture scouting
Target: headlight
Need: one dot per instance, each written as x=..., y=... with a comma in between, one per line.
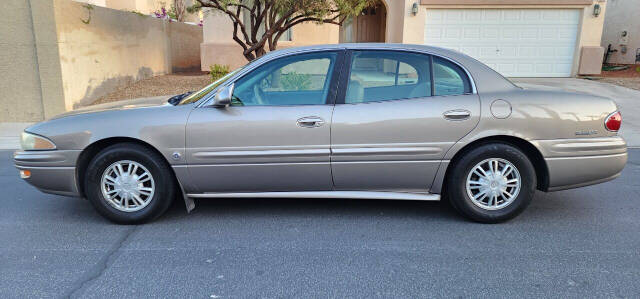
x=31, y=142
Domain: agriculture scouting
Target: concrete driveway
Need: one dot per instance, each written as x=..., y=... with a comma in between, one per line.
x=628, y=99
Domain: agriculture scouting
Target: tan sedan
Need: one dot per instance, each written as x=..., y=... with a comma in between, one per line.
x=376, y=121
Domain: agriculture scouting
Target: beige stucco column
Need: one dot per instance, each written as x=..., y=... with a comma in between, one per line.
x=413, y=32
x=30, y=71
x=589, y=53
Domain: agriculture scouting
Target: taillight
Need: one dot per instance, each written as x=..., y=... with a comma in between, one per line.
x=613, y=121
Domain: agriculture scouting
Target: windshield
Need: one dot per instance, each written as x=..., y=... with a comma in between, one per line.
x=194, y=97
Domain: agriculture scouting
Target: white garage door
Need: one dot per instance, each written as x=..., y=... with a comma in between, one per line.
x=514, y=42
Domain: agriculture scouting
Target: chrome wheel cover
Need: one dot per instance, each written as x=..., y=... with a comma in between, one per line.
x=127, y=186
x=493, y=184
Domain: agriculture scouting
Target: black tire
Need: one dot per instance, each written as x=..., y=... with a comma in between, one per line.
x=165, y=189
x=460, y=169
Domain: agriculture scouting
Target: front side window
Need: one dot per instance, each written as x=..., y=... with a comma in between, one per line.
x=388, y=75
x=449, y=79
x=296, y=80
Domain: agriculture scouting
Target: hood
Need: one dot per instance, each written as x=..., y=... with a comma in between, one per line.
x=119, y=105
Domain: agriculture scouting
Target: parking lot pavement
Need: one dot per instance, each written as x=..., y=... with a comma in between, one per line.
x=576, y=243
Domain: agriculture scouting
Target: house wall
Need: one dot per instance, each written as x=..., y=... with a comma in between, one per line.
x=404, y=27
x=590, y=38
x=57, y=55
x=396, y=17
x=590, y=32
x=220, y=48
x=622, y=15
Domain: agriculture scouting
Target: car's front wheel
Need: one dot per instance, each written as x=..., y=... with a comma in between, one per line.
x=129, y=183
x=491, y=183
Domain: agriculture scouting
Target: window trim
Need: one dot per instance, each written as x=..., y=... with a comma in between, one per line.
x=346, y=70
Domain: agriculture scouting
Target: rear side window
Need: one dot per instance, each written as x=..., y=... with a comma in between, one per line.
x=388, y=75
x=449, y=79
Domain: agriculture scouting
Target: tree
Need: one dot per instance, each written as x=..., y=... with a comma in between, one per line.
x=180, y=9
x=269, y=19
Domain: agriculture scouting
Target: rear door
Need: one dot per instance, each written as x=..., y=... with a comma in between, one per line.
x=400, y=113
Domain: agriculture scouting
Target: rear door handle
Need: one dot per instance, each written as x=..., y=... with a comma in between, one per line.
x=459, y=114
x=310, y=122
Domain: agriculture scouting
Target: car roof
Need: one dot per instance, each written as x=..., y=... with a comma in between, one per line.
x=370, y=46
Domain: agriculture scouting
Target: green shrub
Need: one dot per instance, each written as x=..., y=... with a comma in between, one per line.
x=295, y=81
x=138, y=13
x=218, y=71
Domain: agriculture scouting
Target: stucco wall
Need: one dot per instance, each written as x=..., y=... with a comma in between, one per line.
x=114, y=49
x=395, y=24
x=143, y=6
x=185, y=40
x=57, y=55
x=19, y=79
x=29, y=67
x=622, y=15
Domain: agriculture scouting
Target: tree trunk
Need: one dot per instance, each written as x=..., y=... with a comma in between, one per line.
x=260, y=51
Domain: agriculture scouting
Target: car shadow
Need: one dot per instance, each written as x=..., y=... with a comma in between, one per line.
x=307, y=207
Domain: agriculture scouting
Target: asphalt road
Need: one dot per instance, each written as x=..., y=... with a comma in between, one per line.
x=576, y=243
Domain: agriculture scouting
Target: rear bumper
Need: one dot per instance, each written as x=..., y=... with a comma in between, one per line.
x=574, y=172
x=575, y=163
x=51, y=171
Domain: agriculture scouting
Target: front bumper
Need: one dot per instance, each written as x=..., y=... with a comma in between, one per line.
x=51, y=171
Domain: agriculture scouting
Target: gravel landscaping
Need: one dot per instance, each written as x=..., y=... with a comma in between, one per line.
x=629, y=78
x=158, y=86
x=633, y=83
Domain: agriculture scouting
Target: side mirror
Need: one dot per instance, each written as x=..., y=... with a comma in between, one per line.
x=223, y=96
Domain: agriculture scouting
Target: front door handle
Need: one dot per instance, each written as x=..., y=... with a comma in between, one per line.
x=310, y=122
x=459, y=114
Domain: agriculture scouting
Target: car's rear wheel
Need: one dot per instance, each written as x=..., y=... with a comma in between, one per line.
x=491, y=183
x=129, y=183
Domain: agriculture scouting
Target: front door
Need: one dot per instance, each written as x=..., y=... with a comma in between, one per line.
x=274, y=136
x=400, y=115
